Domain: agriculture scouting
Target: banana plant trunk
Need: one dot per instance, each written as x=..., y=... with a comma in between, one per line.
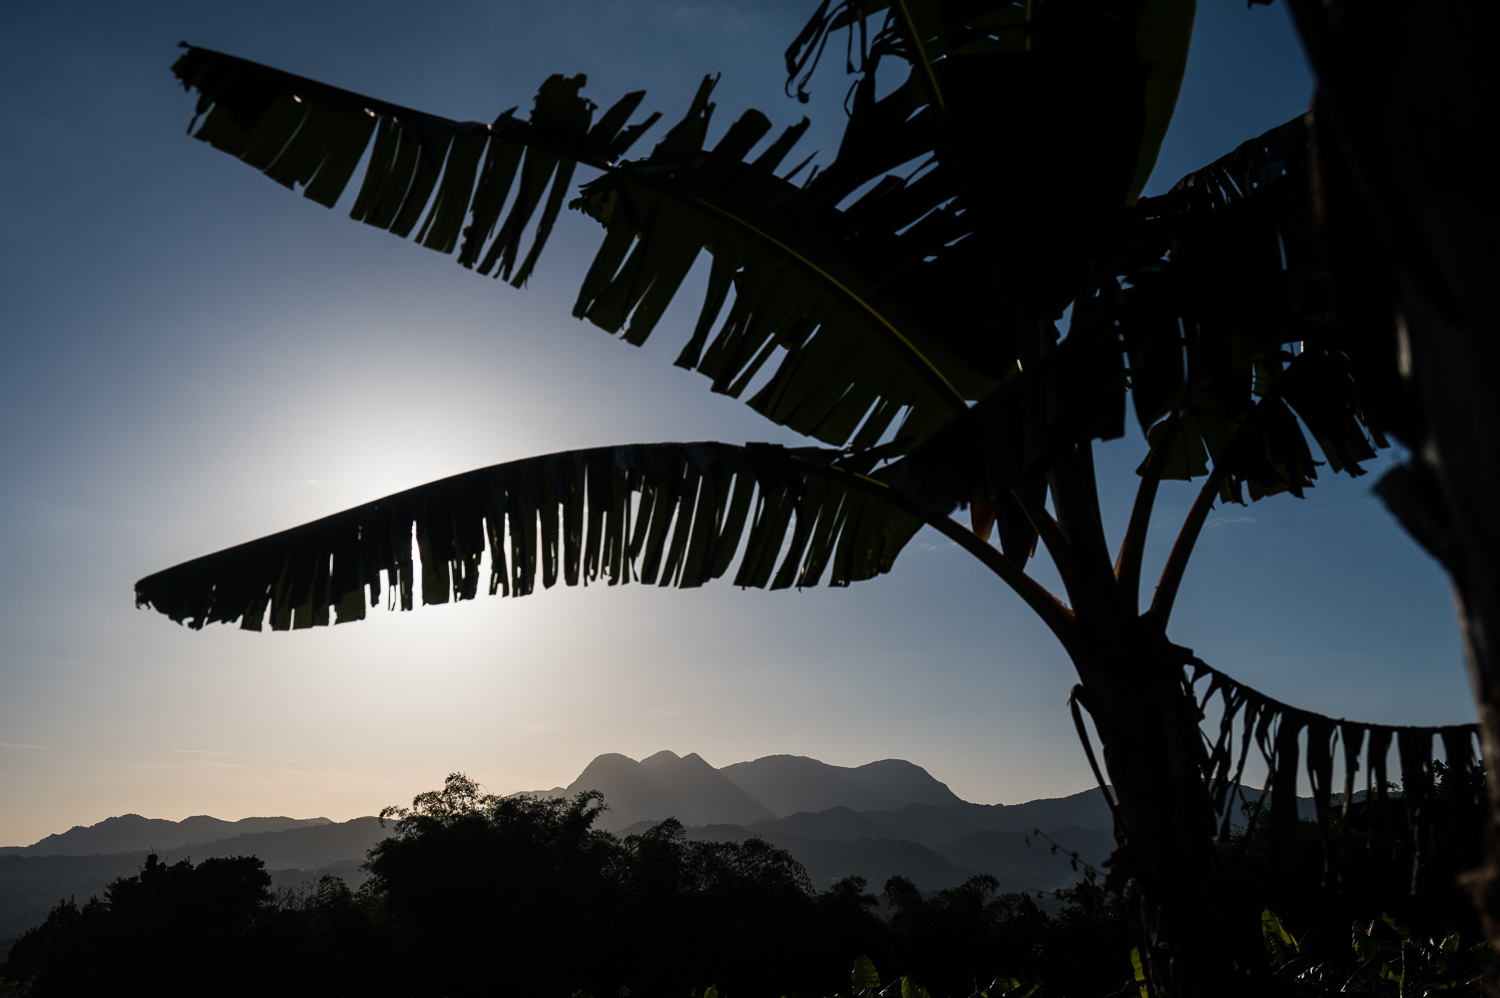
x=1166, y=864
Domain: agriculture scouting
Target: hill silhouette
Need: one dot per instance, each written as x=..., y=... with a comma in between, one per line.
x=663, y=786
x=936, y=847
x=132, y=832
x=786, y=784
x=30, y=884
x=689, y=789
x=709, y=789
x=934, y=825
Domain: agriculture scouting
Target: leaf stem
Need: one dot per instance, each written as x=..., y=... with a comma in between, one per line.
x=1182, y=550
x=1053, y=612
x=1049, y=530
x=1133, y=545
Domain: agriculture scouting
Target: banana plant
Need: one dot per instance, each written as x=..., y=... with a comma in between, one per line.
x=899, y=305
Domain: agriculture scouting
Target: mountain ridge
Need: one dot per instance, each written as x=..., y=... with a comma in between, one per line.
x=133, y=832
x=936, y=841
x=786, y=784
x=666, y=785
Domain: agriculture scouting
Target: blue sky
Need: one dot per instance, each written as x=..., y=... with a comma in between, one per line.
x=191, y=357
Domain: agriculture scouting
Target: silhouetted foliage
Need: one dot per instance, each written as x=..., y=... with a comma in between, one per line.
x=166, y=930
x=1365, y=887
x=659, y=914
x=1082, y=950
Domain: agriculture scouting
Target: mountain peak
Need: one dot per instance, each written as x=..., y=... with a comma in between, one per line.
x=666, y=785
x=787, y=784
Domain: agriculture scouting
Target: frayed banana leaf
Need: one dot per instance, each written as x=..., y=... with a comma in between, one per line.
x=861, y=316
x=909, y=260
x=842, y=360
x=1286, y=738
x=666, y=514
x=1254, y=164
x=425, y=173
x=1214, y=319
x=1214, y=294
x=1219, y=302
x=1062, y=103
x=853, y=361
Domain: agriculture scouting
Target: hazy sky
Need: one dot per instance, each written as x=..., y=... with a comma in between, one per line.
x=191, y=357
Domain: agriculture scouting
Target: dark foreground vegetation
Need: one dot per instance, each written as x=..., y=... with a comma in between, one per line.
x=475, y=894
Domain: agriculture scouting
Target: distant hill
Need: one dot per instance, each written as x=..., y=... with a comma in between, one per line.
x=666, y=786
x=933, y=825
x=786, y=784
x=1022, y=860
x=304, y=848
x=31, y=884
x=131, y=832
x=687, y=788
x=877, y=860
x=936, y=846
x=708, y=792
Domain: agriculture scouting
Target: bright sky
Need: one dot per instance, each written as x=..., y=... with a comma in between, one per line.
x=191, y=357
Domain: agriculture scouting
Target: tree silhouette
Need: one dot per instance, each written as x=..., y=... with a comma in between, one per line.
x=900, y=306
x=559, y=904
x=171, y=929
